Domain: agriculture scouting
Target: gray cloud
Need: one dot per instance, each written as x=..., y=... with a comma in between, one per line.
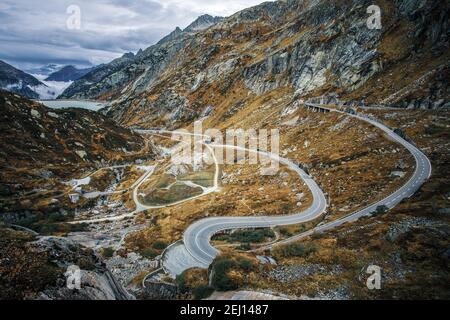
x=34, y=33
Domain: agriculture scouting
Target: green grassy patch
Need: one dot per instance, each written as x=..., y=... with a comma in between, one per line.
x=202, y=178
x=177, y=192
x=247, y=236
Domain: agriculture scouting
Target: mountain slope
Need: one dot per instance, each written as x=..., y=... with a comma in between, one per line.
x=310, y=48
x=17, y=81
x=103, y=80
x=44, y=134
x=135, y=72
x=42, y=148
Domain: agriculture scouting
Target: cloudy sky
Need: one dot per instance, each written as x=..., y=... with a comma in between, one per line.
x=35, y=33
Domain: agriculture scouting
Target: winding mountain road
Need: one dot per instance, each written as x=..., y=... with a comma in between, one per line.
x=197, y=237
x=148, y=171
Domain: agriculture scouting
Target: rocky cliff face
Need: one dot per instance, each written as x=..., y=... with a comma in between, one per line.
x=68, y=73
x=36, y=268
x=104, y=79
x=308, y=47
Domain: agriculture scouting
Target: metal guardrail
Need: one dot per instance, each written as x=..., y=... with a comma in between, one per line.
x=151, y=274
x=161, y=263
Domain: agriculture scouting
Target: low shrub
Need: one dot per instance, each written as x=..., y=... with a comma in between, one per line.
x=195, y=282
x=180, y=280
x=380, y=210
x=230, y=273
x=220, y=279
x=245, y=264
x=202, y=292
x=285, y=232
x=107, y=252
x=295, y=250
x=150, y=253
x=244, y=247
x=159, y=245
x=247, y=236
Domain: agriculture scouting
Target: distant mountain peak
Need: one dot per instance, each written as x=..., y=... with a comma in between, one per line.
x=203, y=22
x=68, y=73
x=69, y=67
x=175, y=33
x=128, y=55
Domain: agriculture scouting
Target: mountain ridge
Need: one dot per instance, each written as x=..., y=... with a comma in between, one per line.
x=18, y=81
x=68, y=73
x=102, y=82
x=313, y=48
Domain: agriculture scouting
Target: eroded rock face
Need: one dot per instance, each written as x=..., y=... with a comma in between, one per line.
x=102, y=79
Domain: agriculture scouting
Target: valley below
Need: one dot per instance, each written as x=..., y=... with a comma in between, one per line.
x=134, y=214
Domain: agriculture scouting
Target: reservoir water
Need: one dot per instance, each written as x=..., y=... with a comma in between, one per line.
x=64, y=104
